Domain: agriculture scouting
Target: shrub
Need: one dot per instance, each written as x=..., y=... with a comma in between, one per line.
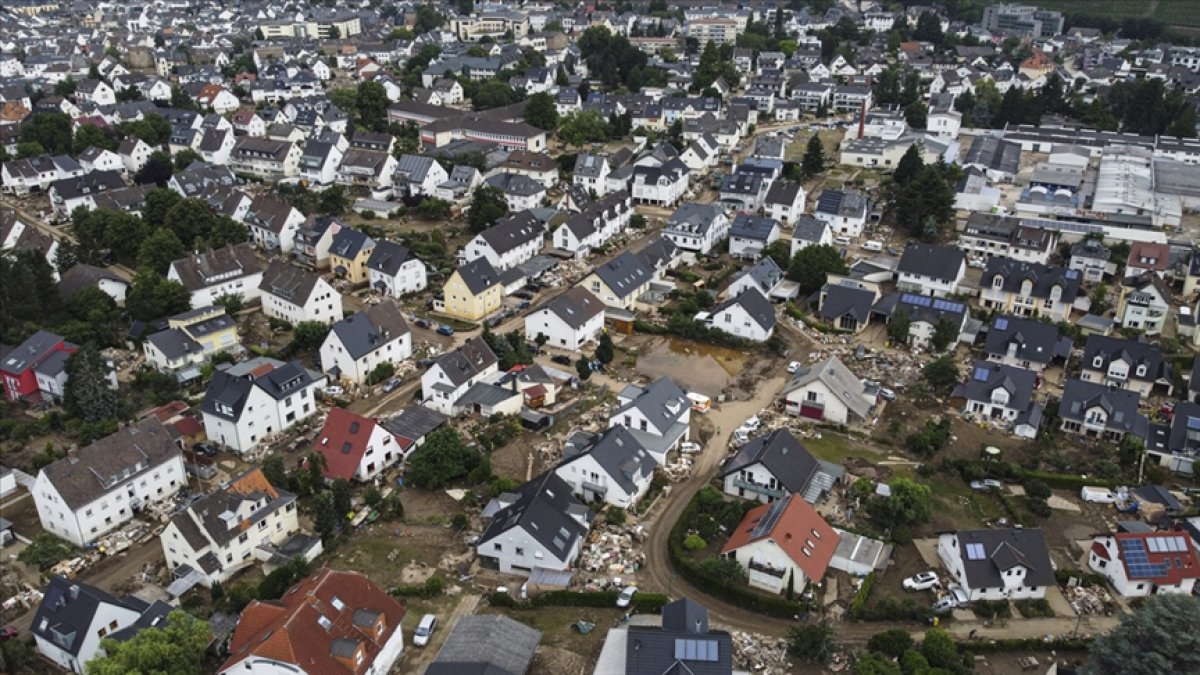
x=1039, y=507
x=859, y=603
x=46, y=551
x=992, y=609
x=615, y=515
x=892, y=642
x=1035, y=608
x=694, y=542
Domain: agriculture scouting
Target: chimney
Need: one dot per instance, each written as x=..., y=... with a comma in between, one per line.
x=862, y=118
x=73, y=454
x=74, y=591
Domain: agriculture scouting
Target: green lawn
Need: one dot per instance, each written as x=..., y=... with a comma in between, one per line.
x=834, y=447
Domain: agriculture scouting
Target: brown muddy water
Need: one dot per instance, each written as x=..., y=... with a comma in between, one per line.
x=697, y=367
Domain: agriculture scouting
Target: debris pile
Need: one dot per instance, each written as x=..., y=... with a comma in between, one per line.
x=760, y=654
x=614, y=550
x=1088, y=599
x=678, y=469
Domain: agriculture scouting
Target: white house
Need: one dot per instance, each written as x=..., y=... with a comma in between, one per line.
x=569, y=320
x=591, y=173
x=394, y=270
x=658, y=416
x=293, y=294
x=750, y=235
x=782, y=546
x=844, y=210
x=1006, y=564
x=595, y=224
x=273, y=223
x=1003, y=395
x=748, y=315
x=660, y=185
x=232, y=270
x=541, y=526
x=697, y=227
x=1138, y=564
x=455, y=372
x=774, y=466
x=243, y=409
x=416, y=175
x=828, y=391
x=134, y=154
x=930, y=269
x=1145, y=304
x=785, y=201
x=358, y=448
x=102, y=486
x=358, y=344
x=810, y=231
x=221, y=533
x=99, y=159
x=610, y=466
x=508, y=243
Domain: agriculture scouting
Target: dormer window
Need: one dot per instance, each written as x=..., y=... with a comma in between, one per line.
x=1141, y=370
x=1098, y=362
x=998, y=281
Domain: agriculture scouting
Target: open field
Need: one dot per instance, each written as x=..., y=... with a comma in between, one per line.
x=1174, y=13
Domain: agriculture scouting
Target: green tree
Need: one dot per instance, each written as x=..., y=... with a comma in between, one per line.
x=308, y=336
x=1158, y=637
x=892, y=642
x=29, y=149
x=180, y=99
x=51, y=130
x=66, y=88
x=161, y=248
x=152, y=296
x=158, y=203
x=432, y=208
x=541, y=112
x=372, y=103
x=812, y=642
x=909, y=166
x=487, y=206
x=813, y=162
x=428, y=18
x=939, y=650
x=153, y=129
x=493, y=94
x=46, y=551
x=910, y=503
x=441, y=459
x=812, y=265
x=184, y=158
x=380, y=373
x=941, y=373
x=604, y=349
x=342, y=499
x=176, y=648
x=583, y=368
x=88, y=396
x=582, y=127
x=926, y=199
x=191, y=220
x=157, y=170
x=872, y=663
x=945, y=334
x=275, y=470
x=929, y=29
x=325, y=515
x=916, y=114
x=90, y=135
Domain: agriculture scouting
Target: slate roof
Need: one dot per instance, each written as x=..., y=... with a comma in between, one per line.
x=1003, y=550
x=91, y=183
x=68, y=609
x=757, y=228
x=516, y=184
x=486, y=644
x=783, y=192
x=81, y=479
x=465, y=362
x=840, y=381
x=575, y=306
x=589, y=165
x=1015, y=272
x=289, y=282
x=478, y=275
x=31, y=352
x=413, y=167
x=366, y=331
x=349, y=243
x=765, y=273
x=994, y=153
x=662, y=402
x=1120, y=405
x=651, y=650
x=414, y=422
x=929, y=260
x=200, y=271
x=1134, y=352
x=694, y=218
x=620, y=454
x=512, y=232
x=754, y=303
x=793, y=466
x=986, y=377
x=1036, y=341
x=544, y=507
x=388, y=257
x=624, y=274
x=204, y=516
x=838, y=301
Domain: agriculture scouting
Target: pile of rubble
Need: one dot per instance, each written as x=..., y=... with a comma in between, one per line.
x=1088, y=599
x=678, y=469
x=760, y=654
x=613, y=550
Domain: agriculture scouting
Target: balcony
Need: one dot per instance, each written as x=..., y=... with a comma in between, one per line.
x=767, y=569
x=773, y=493
x=594, y=488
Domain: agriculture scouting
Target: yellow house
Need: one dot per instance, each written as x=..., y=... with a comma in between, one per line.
x=210, y=327
x=473, y=291
x=348, y=255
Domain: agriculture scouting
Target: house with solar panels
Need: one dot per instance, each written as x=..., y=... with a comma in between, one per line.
x=844, y=210
x=1025, y=343
x=1138, y=564
x=781, y=540
x=1029, y=289
x=924, y=313
x=1002, y=395
x=998, y=564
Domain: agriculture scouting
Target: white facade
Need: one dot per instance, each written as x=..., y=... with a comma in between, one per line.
x=410, y=278
x=335, y=355
x=262, y=415
x=323, y=304
x=849, y=226
x=1013, y=580
x=764, y=486
x=517, y=552
x=244, y=285
x=589, y=481
x=107, y=619
x=766, y=554
x=1112, y=567
x=479, y=247
x=440, y=393
x=561, y=334
x=817, y=396
x=736, y=321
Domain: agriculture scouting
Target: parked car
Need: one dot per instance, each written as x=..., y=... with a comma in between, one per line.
x=752, y=424
x=445, y=329
x=841, y=241
x=955, y=597
x=794, y=366
x=689, y=448
x=333, y=390
x=524, y=295
x=206, y=449
x=921, y=581
x=887, y=394
x=391, y=385
x=422, y=323
x=524, y=304
x=561, y=359
x=626, y=596
x=986, y=484
x=424, y=630
x=8, y=633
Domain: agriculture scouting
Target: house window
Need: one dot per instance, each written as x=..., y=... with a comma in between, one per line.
x=497, y=548
x=520, y=551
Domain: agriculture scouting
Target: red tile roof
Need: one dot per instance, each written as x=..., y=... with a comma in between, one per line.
x=800, y=531
x=302, y=627
x=1166, y=558
x=343, y=441
x=1149, y=255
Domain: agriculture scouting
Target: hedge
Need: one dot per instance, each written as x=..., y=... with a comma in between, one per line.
x=1024, y=644
x=1013, y=472
x=1086, y=578
x=859, y=603
x=645, y=603
x=734, y=594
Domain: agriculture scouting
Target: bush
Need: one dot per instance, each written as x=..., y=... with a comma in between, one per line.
x=892, y=642
x=433, y=587
x=992, y=609
x=694, y=542
x=859, y=603
x=1025, y=644
x=46, y=551
x=1038, y=507
x=1035, y=608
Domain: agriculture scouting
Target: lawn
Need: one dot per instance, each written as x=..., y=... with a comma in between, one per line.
x=555, y=624
x=957, y=506
x=830, y=138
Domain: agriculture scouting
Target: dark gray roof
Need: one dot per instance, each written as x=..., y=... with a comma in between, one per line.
x=1032, y=340
x=846, y=203
x=347, y=243
x=478, y=275
x=544, y=508
x=226, y=395
x=754, y=303
x=938, y=262
x=986, y=378
x=487, y=644
x=662, y=402
x=414, y=422
x=589, y=165
x=199, y=271
x=213, y=514
x=512, y=232
x=766, y=273
x=748, y=226
x=838, y=300
x=68, y=609
x=994, y=153
x=575, y=307
x=620, y=454
x=91, y=183
x=624, y=274
x=1120, y=406
x=1014, y=273
x=790, y=462
x=783, y=192
x=388, y=257
x=465, y=362
x=100, y=467
x=516, y=184
x=364, y=332
x=1134, y=352
x=82, y=276
x=684, y=645
x=742, y=184
x=1003, y=550
x=288, y=282
x=694, y=217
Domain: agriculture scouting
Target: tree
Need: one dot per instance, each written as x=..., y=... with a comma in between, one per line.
x=275, y=470
x=428, y=18
x=487, y=206
x=929, y=29
x=945, y=333
x=46, y=551
x=191, y=220
x=927, y=199
x=872, y=663
x=916, y=114
x=909, y=166
x=158, y=203
x=184, y=158
x=176, y=648
x=153, y=296
x=583, y=368
x=380, y=373
x=813, y=264
x=90, y=135
x=812, y=642
x=814, y=157
x=910, y=503
x=1158, y=637
x=541, y=112
x=159, y=250
x=443, y=458
x=372, y=103
x=325, y=515
x=941, y=373
x=432, y=208
x=180, y=99
x=892, y=642
x=51, y=130
x=308, y=336
x=898, y=327
x=88, y=396
x=232, y=302
x=493, y=94
x=604, y=349
x=157, y=170
x=66, y=88
x=939, y=650
x=342, y=500
x=582, y=127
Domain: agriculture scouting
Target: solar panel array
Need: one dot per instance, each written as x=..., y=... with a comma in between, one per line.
x=982, y=373
x=934, y=303
x=1166, y=544
x=696, y=650
x=1002, y=323
x=1137, y=561
x=767, y=523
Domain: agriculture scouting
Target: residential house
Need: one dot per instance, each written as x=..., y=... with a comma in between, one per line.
x=356, y=447
x=987, y=235
x=610, y=466
x=1096, y=410
x=348, y=255
x=394, y=270
x=844, y=210
x=930, y=269
x=1138, y=564
x=102, y=486
x=775, y=466
x=98, y=159
x=744, y=190
x=267, y=158
x=372, y=169
x=539, y=527
x=357, y=345
x=1144, y=304
x=658, y=416
x=846, y=305
x=472, y=292
x=568, y=321
x=998, y=564
x=18, y=367
x=925, y=314
x=229, y=529
x=620, y=281
x=331, y=622
x=453, y=373
x=810, y=231
x=750, y=235
x=697, y=228
x=486, y=643
x=320, y=160
x=273, y=223
x=748, y=315
x=190, y=340
x=35, y=174
x=82, y=275
x=1135, y=365
x=763, y=276
x=1028, y=289
x=508, y=243
x=242, y=410
x=591, y=173
x=521, y=193
x=595, y=224
x=1025, y=343
x=534, y=165
x=294, y=294
x=416, y=175
x=662, y=185
x=1147, y=257
x=1176, y=444
x=313, y=240
x=134, y=153
x=232, y=270
x=1002, y=395
x=828, y=391
x=785, y=201
x=782, y=545
x=1093, y=260
x=69, y=194
x=683, y=644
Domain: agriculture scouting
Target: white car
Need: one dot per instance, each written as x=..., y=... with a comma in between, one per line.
x=1097, y=495
x=955, y=597
x=752, y=424
x=424, y=630
x=986, y=484
x=922, y=581
x=626, y=596
x=689, y=448
x=794, y=366
x=333, y=391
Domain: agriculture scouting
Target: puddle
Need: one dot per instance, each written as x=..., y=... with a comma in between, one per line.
x=698, y=367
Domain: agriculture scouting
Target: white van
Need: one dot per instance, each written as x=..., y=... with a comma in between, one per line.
x=424, y=630
x=841, y=241
x=872, y=245
x=1097, y=495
